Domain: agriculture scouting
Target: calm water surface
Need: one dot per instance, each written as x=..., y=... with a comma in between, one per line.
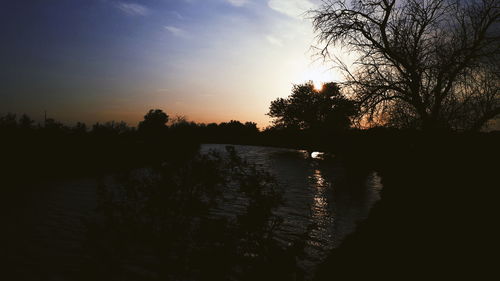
x=322, y=205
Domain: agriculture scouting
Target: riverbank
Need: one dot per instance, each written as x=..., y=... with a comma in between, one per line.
x=437, y=216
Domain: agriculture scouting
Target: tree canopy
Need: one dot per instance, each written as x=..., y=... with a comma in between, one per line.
x=308, y=108
x=155, y=120
x=430, y=64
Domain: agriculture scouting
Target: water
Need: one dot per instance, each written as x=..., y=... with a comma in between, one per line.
x=46, y=229
x=322, y=205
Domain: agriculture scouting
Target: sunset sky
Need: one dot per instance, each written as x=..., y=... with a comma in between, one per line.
x=100, y=60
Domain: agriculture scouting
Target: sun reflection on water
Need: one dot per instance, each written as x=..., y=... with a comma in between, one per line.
x=320, y=213
x=317, y=155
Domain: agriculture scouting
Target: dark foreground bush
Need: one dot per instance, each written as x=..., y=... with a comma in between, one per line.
x=173, y=223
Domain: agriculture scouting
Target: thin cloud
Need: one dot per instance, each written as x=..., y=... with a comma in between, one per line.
x=237, y=3
x=175, y=31
x=133, y=9
x=292, y=8
x=176, y=15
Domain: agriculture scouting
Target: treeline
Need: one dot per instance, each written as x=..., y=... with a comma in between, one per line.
x=53, y=149
x=232, y=131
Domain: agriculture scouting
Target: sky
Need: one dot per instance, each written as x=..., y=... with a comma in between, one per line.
x=101, y=60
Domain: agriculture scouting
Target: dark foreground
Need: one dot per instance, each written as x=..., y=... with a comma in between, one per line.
x=436, y=219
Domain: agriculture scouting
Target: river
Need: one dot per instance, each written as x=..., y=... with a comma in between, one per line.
x=320, y=207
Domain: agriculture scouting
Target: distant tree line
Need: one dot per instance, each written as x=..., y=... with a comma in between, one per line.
x=156, y=126
x=52, y=148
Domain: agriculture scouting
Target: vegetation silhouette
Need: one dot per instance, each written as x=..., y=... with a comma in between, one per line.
x=310, y=109
x=425, y=84
x=431, y=65
x=154, y=125
x=163, y=225
x=52, y=149
x=437, y=210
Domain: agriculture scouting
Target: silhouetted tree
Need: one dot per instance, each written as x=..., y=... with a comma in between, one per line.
x=308, y=108
x=178, y=120
x=8, y=121
x=238, y=128
x=25, y=122
x=80, y=128
x=251, y=127
x=53, y=125
x=426, y=63
x=183, y=130
x=110, y=128
x=154, y=121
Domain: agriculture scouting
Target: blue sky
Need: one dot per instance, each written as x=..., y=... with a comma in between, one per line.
x=98, y=60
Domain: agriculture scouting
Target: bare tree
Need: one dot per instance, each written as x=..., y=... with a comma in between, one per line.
x=425, y=63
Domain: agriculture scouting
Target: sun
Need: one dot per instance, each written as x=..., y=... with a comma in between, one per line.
x=316, y=75
x=318, y=85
